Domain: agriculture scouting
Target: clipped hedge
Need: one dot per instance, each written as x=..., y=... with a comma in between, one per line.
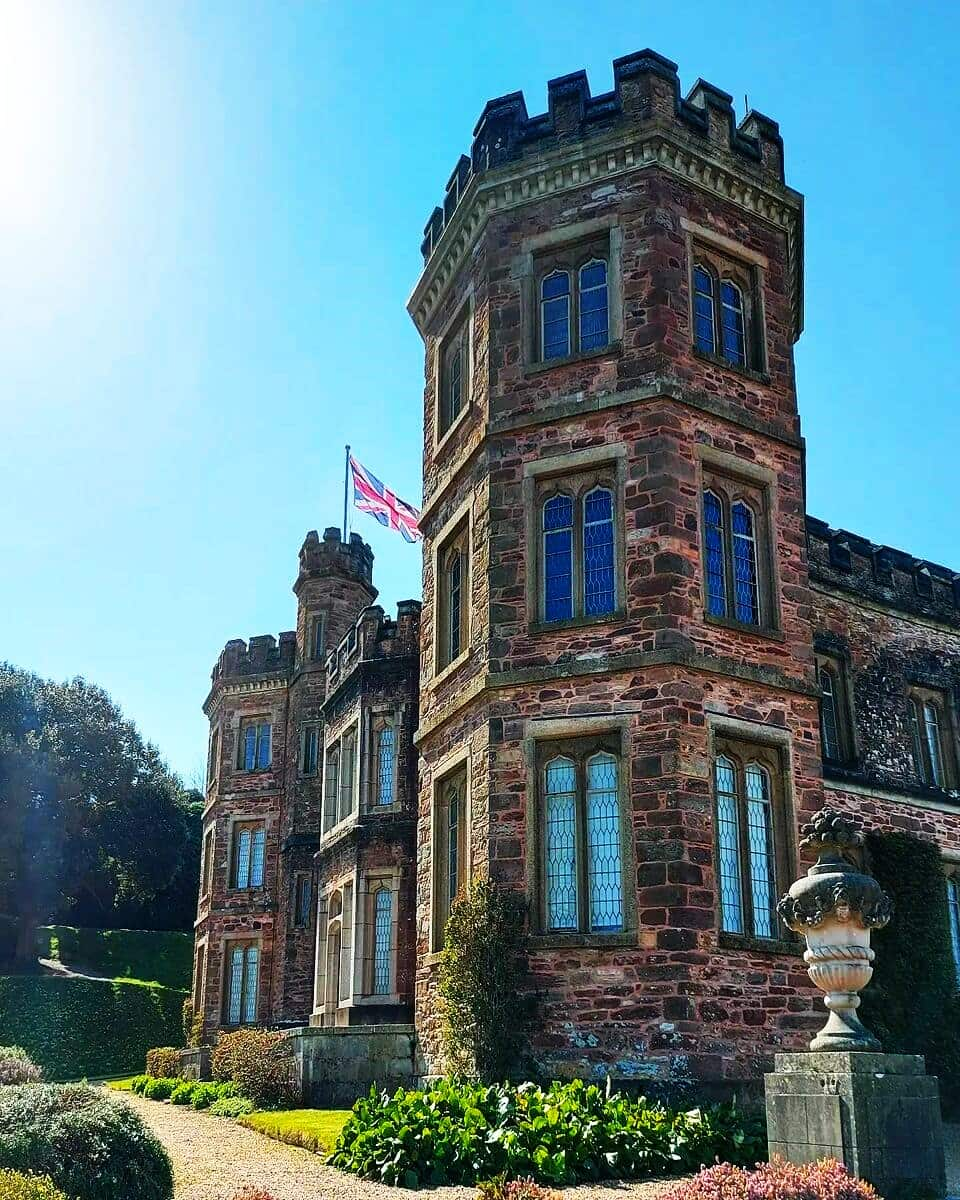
x=77, y=1028
x=154, y=957
x=458, y=1131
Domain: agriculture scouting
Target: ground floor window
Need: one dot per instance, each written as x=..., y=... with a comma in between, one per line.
x=953, y=904
x=382, y=940
x=243, y=965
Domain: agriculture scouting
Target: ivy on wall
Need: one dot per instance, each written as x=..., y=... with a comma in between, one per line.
x=77, y=1028
x=911, y=1004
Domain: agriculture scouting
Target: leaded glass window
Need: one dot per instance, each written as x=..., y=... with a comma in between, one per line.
x=746, y=853
x=735, y=569
x=249, y=844
x=931, y=726
x=829, y=715
x=933, y=749
x=453, y=568
x=555, y=315
x=449, y=849
x=316, y=647
x=746, y=586
x=242, y=984
x=255, y=746
x=705, y=337
x=593, y=305
x=453, y=374
x=734, y=343
x=382, y=937
x=386, y=751
x=348, y=755
x=558, y=558
x=455, y=593
x=578, y=569
x=303, y=895
x=311, y=750
x=331, y=787
x=581, y=839
x=953, y=905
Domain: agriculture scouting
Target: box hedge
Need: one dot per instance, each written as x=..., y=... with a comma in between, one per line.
x=76, y=1028
x=155, y=957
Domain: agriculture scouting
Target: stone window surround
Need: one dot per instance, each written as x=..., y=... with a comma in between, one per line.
x=375, y=718
x=198, y=992
x=839, y=667
x=267, y=821
x=533, y=261
x=208, y=860
x=463, y=514
x=747, y=269
x=340, y=883
x=721, y=727
x=464, y=311
x=919, y=694
x=459, y=759
x=352, y=723
x=566, y=469
x=556, y=729
x=214, y=753
x=252, y=938
x=763, y=481
x=371, y=882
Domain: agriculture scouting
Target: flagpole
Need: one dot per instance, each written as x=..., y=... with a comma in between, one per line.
x=346, y=480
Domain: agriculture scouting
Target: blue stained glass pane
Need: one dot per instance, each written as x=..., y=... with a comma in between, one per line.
x=243, y=859
x=604, y=873
x=759, y=842
x=728, y=848
x=702, y=281
x=556, y=328
x=558, y=558
x=594, y=332
x=235, y=1007
x=729, y=294
x=704, y=332
x=733, y=329
x=593, y=275
x=555, y=285
x=250, y=748
x=382, y=922
x=256, y=858
x=561, y=844
x=713, y=537
x=558, y=512
x=745, y=586
x=250, y=984
x=598, y=579
x=263, y=746
x=385, y=767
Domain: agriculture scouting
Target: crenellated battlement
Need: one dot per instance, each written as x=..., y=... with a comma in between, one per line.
x=333, y=556
x=263, y=654
x=646, y=90
x=374, y=635
x=882, y=574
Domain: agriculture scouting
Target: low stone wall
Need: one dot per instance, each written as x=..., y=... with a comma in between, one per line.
x=195, y=1062
x=337, y=1065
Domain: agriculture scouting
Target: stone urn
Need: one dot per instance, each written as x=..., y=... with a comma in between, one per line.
x=835, y=906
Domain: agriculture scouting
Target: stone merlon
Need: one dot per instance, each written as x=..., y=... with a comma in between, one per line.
x=333, y=555
x=646, y=89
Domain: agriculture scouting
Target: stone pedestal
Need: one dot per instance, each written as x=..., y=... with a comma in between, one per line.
x=879, y=1114
x=337, y=1065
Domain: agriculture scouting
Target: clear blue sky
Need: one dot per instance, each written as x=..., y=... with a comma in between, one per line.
x=210, y=215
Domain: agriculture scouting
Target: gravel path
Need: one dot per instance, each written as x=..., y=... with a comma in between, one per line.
x=213, y=1157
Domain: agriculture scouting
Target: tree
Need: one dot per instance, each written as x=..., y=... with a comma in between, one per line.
x=90, y=814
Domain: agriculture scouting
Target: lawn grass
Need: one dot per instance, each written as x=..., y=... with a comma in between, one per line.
x=315, y=1129
x=121, y=1085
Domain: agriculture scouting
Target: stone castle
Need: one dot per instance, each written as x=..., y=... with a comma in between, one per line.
x=639, y=664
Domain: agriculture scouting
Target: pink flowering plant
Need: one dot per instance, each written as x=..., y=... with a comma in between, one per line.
x=777, y=1180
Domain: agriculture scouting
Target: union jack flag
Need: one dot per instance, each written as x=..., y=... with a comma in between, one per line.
x=369, y=495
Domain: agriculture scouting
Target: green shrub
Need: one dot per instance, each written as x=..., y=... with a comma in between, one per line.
x=91, y=1144
x=183, y=1092
x=159, y=1089
x=260, y=1063
x=231, y=1106
x=16, y=1066
x=16, y=1186
x=482, y=1008
x=8, y=941
x=163, y=1062
x=911, y=1004
x=86, y=1028
x=205, y=1094
x=191, y=1024
x=138, y=1083
x=823, y=1180
x=145, y=954
x=459, y=1132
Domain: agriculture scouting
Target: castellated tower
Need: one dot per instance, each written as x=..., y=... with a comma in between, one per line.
x=618, y=713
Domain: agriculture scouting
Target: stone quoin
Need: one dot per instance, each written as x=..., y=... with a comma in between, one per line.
x=639, y=666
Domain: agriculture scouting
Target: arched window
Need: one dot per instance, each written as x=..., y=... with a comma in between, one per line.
x=933, y=748
x=386, y=749
x=734, y=338
x=598, y=576
x=746, y=855
x=829, y=715
x=255, y=744
x=715, y=555
x=594, y=320
x=449, y=849
x=582, y=858
x=555, y=315
x=382, y=939
x=249, y=845
x=453, y=598
x=746, y=588
x=558, y=558
x=704, y=321
x=560, y=844
x=243, y=983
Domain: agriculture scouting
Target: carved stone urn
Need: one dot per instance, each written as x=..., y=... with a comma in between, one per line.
x=835, y=906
